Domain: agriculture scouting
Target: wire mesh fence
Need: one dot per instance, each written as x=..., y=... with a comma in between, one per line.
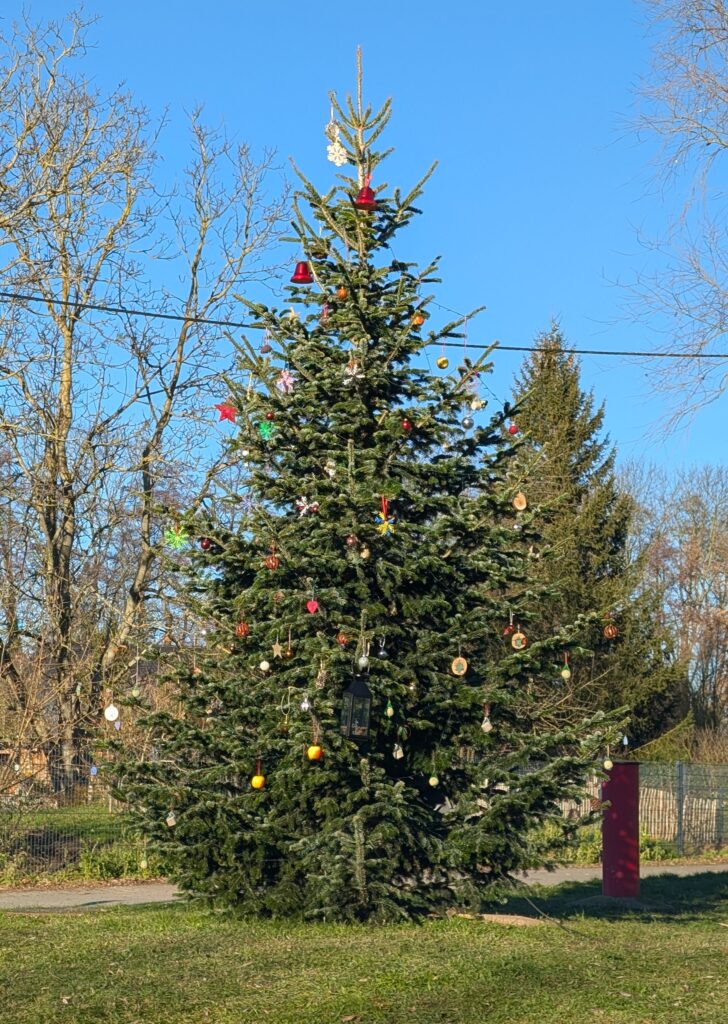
x=683, y=807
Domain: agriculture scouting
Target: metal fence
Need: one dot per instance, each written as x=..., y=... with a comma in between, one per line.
x=683, y=807
x=682, y=804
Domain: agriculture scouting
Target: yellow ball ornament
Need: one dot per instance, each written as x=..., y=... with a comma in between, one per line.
x=314, y=752
x=258, y=781
x=443, y=362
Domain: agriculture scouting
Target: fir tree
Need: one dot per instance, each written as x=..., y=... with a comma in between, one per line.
x=378, y=550
x=585, y=562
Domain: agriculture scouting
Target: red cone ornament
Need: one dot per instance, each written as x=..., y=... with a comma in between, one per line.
x=302, y=273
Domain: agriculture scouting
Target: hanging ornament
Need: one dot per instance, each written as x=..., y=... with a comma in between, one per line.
x=242, y=629
x=277, y=648
x=625, y=743
x=389, y=710
x=363, y=660
x=513, y=429
x=433, y=781
x=608, y=764
x=486, y=725
x=520, y=502
x=111, y=712
x=227, y=412
x=366, y=199
x=285, y=382
x=264, y=666
x=258, y=780
x=459, y=666
x=510, y=628
x=467, y=422
x=351, y=541
x=306, y=507
x=566, y=671
x=176, y=537
x=406, y=424
x=342, y=293
x=342, y=639
x=335, y=152
x=314, y=752
x=610, y=630
x=443, y=362
x=305, y=704
x=418, y=318
x=353, y=373
x=325, y=311
x=170, y=820
x=477, y=403
x=205, y=543
x=302, y=273
x=385, y=522
x=312, y=605
x=266, y=429
x=272, y=561
x=397, y=751
x=330, y=469
x=518, y=640
x=320, y=680
x=364, y=553
x=289, y=649
x=382, y=652
x=265, y=346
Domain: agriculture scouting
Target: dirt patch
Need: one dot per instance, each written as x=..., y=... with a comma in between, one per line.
x=514, y=920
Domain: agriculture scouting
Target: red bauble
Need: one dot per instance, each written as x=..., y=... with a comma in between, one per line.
x=312, y=606
x=366, y=200
x=205, y=543
x=513, y=429
x=302, y=273
x=270, y=416
x=406, y=424
x=351, y=541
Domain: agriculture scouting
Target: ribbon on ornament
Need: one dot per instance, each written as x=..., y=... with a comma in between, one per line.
x=385, y=522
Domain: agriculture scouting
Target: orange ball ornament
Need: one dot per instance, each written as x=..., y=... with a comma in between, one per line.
x=418, y=319
x=258, y=781
x=314, y=752
x=242, y=629
x=272, y=562
x=611, y=631
x=341, y=293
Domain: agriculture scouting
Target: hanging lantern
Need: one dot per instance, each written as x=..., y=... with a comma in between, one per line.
x=366, y=200
x=302, y=273
x=356, y=707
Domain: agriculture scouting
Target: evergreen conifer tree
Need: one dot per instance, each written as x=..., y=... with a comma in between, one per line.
x=586, y=564
x=378, y=554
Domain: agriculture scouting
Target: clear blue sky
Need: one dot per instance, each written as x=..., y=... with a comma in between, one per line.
x=541, y=184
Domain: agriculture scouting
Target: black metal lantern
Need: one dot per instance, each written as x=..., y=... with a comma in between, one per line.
x=356, y=706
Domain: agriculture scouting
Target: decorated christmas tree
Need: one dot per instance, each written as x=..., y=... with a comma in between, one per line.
x=358, y=739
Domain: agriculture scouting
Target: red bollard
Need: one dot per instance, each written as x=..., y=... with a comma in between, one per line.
x=621, y=831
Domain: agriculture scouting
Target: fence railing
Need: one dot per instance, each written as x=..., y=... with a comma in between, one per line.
x=683, y=804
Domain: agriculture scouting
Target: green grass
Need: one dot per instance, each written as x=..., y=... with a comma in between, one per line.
x=179, y=965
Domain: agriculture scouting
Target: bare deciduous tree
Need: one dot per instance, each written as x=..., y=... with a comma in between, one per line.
x=685, y=104
x=684, y=531
x=104, y=420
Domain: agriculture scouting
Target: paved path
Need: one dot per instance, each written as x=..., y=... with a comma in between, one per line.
x=91, y=897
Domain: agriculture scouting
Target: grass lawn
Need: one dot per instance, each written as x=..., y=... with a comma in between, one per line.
x=171, y=965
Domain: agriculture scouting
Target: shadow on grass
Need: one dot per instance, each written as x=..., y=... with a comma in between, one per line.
x=662, y=897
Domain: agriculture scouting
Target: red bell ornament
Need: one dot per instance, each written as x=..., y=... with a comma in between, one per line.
x=366, y=200
x=302, y=273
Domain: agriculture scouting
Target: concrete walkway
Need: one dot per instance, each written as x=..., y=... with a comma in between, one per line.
x=93, y=897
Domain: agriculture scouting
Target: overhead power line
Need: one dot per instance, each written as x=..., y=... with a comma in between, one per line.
x=154, y=314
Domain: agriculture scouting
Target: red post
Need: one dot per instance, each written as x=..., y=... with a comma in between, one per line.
x=621, y=831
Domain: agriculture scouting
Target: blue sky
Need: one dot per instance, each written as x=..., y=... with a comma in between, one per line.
x=541, y=184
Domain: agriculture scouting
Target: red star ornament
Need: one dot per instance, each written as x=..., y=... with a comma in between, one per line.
x=227, y=412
